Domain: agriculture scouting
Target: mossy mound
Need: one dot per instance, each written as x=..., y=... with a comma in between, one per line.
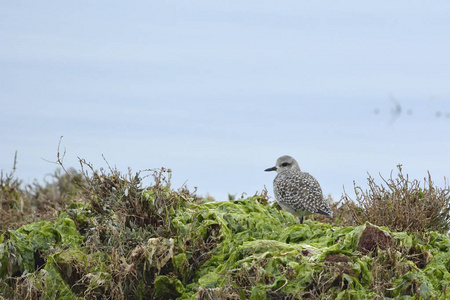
x=242, y=249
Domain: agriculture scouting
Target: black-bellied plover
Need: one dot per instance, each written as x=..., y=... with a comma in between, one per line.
x=298, y=192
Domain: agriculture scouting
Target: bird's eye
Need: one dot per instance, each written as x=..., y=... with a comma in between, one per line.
x=285, y=164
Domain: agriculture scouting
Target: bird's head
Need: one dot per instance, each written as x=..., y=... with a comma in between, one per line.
x=284, y=163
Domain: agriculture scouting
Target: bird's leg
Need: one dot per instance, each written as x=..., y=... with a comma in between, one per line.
x=301, y=220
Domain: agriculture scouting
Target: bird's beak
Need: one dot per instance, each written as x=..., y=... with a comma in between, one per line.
x=271, y=169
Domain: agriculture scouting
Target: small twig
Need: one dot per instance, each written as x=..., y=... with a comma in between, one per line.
x=15, y=163
x=107, y=163
x=59, y=158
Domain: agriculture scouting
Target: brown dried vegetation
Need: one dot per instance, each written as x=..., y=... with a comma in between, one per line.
x=372, y=239
x=20, y=205
x=401, y=204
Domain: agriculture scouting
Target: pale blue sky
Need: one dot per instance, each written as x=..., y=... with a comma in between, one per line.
x=216, y=91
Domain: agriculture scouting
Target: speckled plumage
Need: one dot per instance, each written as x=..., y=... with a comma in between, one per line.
x=298, y=192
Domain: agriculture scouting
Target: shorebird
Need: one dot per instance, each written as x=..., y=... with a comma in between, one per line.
x=298, y=192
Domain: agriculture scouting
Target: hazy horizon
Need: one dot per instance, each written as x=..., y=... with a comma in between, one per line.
x=218, y=91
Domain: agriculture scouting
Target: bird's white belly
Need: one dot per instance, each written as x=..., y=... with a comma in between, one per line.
x=298, y=213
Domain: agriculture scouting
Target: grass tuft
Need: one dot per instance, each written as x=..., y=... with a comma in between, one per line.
x=402, y=204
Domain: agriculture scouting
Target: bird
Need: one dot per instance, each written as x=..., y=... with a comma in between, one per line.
x=298, y=192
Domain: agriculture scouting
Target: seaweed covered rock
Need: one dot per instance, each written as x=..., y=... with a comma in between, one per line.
x=244, y=249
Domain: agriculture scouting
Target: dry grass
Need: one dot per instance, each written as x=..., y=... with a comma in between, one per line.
x=22, y=204
x=401, y=204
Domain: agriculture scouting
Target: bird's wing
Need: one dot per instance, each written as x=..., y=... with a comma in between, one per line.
x=301, y=192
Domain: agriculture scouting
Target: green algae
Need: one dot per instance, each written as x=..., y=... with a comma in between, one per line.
x=24, y=249
x=242, y=249
x=263, y=251
x=168, y=287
